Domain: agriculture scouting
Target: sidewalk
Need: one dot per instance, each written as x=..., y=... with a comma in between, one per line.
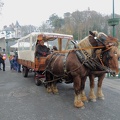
x=112, y=78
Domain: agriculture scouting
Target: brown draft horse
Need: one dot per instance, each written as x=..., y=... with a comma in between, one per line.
x=67, y=66
x=108, y=58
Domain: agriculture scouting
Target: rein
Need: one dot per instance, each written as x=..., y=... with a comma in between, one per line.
x=90, y=47
x=81, y=49
x=108, y=47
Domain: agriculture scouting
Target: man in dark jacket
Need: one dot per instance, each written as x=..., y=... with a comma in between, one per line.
x=2, y=61
x=41, y=49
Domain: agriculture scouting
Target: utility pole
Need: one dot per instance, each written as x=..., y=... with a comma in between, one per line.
x=113, y=21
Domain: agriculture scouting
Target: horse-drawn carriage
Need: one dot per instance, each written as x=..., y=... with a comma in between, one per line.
x=27, y=47
x=72, y=65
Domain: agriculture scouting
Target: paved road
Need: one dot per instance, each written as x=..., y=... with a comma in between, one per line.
x=21, y=99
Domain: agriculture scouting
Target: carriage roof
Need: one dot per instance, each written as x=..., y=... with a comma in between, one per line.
x=48, y=36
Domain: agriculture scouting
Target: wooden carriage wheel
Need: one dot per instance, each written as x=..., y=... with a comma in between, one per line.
x=37, y=81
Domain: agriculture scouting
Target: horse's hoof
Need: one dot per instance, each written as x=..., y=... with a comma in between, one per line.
x=55, y=91
x=101, y=98
x=84, y=99
x=92, y=100
x=49, y=90
x=82, y=107
x=79, y=104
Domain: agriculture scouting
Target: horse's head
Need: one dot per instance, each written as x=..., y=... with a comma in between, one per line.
x=110, y=58
x=96, y=41
x=101, y=39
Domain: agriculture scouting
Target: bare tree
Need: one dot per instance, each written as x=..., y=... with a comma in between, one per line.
x=45, y=27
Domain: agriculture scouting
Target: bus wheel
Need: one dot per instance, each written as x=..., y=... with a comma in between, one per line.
x=25, y=71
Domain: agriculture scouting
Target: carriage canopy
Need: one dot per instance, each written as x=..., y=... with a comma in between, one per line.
x=27, y=44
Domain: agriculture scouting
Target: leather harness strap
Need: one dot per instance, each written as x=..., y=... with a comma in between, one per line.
x=58, y=55
x=64, y=63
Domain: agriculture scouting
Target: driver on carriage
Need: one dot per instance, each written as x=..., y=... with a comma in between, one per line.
x=41, y=49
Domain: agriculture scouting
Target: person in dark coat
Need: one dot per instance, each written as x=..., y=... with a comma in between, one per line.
x=41, y=49
x=2, y=61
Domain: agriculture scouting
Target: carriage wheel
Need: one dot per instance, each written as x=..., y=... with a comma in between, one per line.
x=25, y=71
x=37, y=81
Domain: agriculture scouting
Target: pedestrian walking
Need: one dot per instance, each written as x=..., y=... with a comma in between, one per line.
x=11, y=62
x=2, y=60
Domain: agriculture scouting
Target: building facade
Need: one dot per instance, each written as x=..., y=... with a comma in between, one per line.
x=9, y=36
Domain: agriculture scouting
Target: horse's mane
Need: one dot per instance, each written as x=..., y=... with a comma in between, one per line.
x=84, y=43
x=95, y=32
x=101, y=33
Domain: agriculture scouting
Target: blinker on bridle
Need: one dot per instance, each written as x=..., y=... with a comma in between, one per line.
x=97, y=39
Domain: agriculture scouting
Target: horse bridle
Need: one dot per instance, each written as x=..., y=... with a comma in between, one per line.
x=108, y=57
x=106, y=52
x=97, y=39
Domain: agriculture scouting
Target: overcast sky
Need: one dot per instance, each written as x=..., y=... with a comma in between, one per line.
x=34, y=12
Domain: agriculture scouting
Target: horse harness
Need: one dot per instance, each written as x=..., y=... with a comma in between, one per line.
x=91, y=62
x=57, y=55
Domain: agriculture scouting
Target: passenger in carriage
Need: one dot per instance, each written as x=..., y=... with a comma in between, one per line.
x=41, y=49
x=54, y=49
